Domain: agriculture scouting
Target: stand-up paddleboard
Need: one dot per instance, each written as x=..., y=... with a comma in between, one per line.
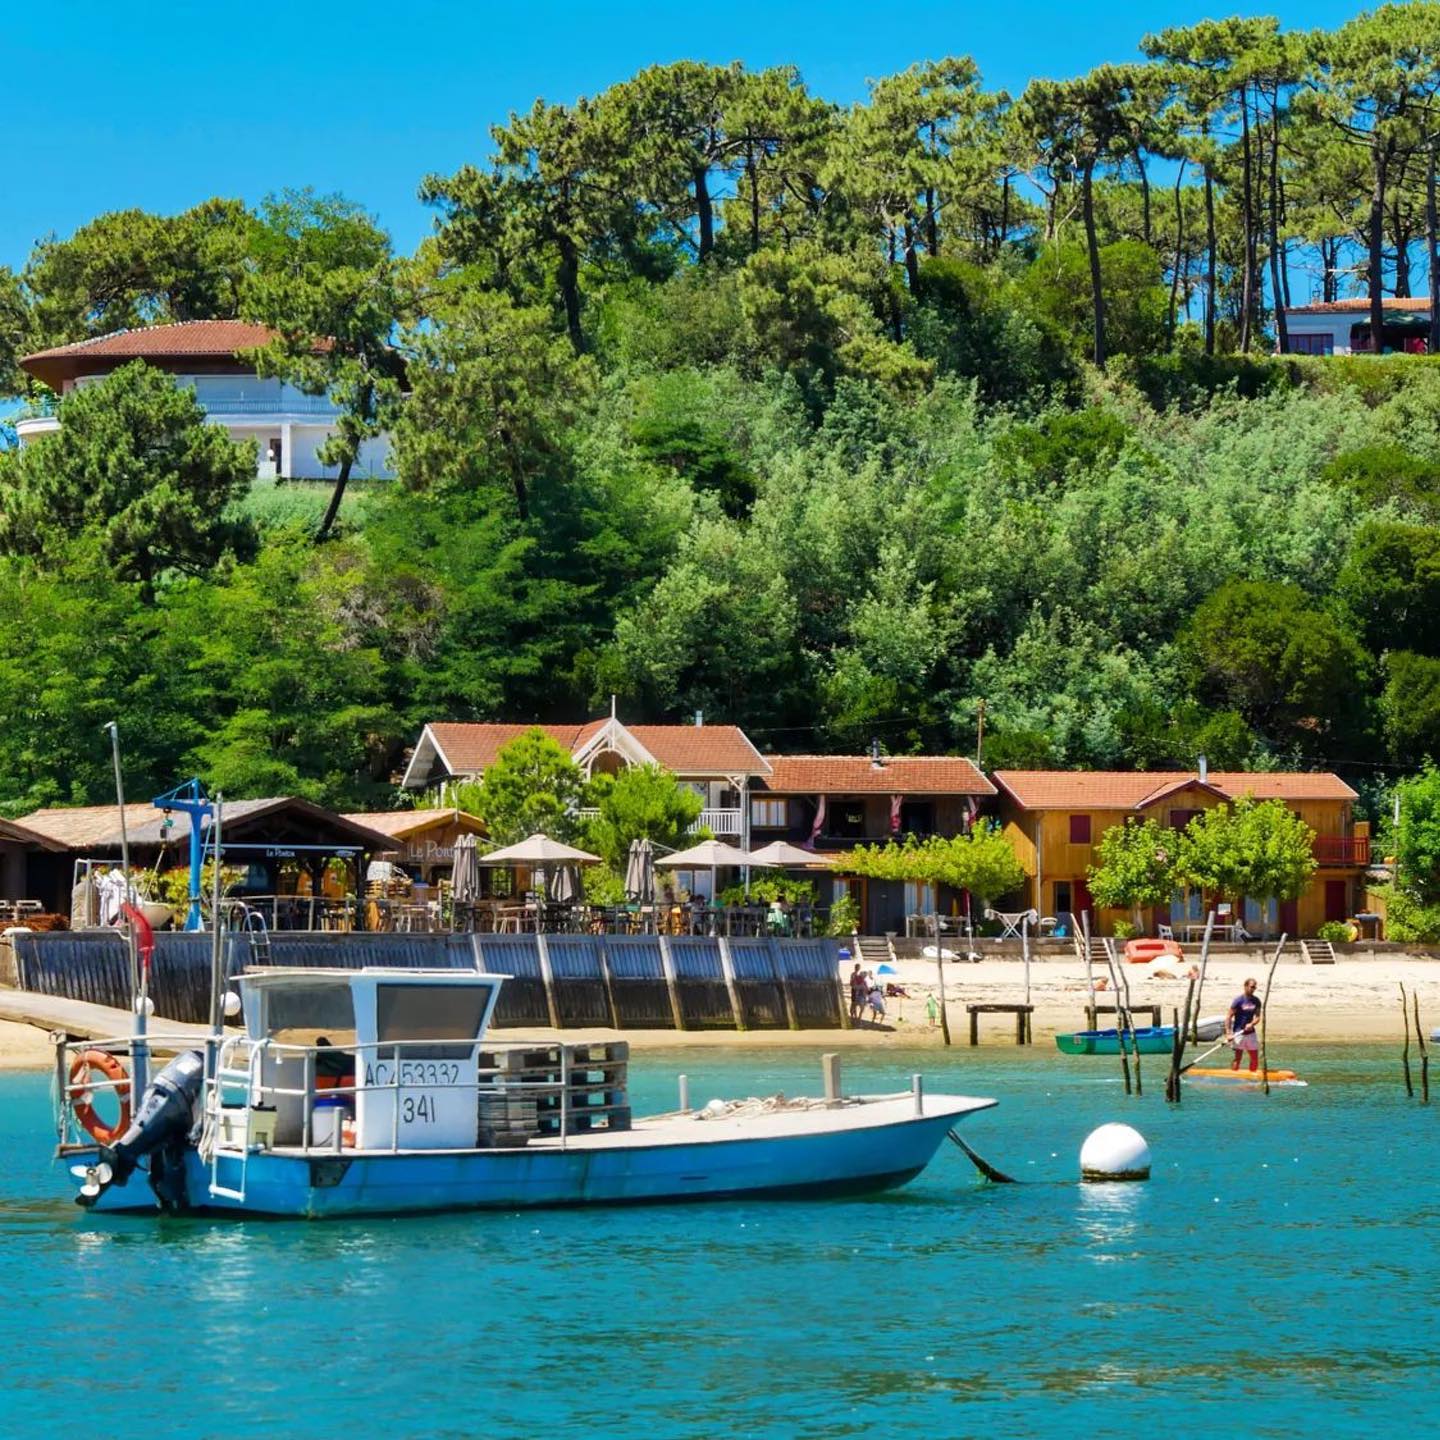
x=1246, y=1077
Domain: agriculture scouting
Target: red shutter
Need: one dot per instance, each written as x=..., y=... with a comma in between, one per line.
x=1079, y=829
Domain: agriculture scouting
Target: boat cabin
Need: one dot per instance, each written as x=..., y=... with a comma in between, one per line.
x=398, y=1048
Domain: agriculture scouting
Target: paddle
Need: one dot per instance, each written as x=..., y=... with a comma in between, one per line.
x=1218, y=1045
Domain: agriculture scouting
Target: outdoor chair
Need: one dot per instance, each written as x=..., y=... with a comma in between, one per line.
x=1166, y=932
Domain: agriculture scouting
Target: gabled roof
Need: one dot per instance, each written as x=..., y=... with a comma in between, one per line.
x=859, y=775
x=456, y=748
x=97, y=827
x=1135, y=789
x=401, y=824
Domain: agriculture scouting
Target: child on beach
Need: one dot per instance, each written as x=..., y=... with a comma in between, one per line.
x=932, y=1011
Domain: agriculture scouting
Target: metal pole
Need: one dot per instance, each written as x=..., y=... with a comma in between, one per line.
x=139, y=1059
x=217, y=952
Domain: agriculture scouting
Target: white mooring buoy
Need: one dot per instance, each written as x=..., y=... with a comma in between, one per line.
x=231, y=1004
x=1115, y=1152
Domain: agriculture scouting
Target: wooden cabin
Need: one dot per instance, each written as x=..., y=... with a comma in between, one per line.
x=1055, y=818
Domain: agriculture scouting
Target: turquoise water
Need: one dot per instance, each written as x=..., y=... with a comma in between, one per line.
x=1277, y=1276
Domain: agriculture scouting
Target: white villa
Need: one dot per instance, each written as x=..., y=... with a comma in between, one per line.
x=1342, y=327
x=288, y=425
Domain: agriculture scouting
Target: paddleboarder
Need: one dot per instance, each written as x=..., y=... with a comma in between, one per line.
x=1240, y=1026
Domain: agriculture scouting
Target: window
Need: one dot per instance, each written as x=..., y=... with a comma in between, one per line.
x=1312, y=344
x=919, y=898
x=1079, y=829
x=1179, y=819
x=1062, y=897
x=917, y=817
x=847, y=820
x=770, y=814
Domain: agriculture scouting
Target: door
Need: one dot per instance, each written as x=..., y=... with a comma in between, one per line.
x=1337, y=899
x=1290, y=917
x=1083, y=905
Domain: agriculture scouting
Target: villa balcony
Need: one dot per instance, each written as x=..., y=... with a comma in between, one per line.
x=723, y=824
x=1342, y=850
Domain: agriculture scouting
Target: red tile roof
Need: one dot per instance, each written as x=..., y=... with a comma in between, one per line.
x=701, y=749
x=1360, y=304
x=858, y=775
x=185, y=340
x=684, y=749
x=1131, y=789
x=187, y=337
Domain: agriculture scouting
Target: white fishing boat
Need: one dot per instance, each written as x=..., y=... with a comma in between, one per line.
x=377, y=1092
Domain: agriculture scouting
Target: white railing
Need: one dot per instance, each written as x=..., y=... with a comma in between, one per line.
x=718, y=822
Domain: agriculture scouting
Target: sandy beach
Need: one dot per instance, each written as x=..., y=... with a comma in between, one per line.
x=1356, y=999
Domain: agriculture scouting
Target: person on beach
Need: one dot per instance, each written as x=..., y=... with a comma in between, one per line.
x=932, y=1011
x=859, y=989
x=1240, y=1026
x=877, y=1004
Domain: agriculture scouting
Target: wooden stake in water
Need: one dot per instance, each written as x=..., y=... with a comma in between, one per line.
x=1120, y=1016
x=1424, y=1052
x=1204, y=965
x=1405, y=1053
x=940, y=974
x=1265, y=1015
x=1177, y=1049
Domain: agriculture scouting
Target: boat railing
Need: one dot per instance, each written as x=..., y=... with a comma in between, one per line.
x=385, y=1071
x=66, y=1089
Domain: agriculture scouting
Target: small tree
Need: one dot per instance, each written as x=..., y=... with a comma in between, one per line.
x=136, y=466
x=1259, y=850
x=644, y=802
x=1136, y=869
x=532, y=786
x=982, y=862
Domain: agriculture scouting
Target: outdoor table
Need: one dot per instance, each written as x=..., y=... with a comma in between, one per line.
x=1195, y=930
x=1011, y=921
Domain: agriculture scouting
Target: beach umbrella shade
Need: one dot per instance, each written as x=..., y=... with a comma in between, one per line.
x=465, y=875
x=640, y=873
x=711, y=855
x=539, y=850
x=790, y=857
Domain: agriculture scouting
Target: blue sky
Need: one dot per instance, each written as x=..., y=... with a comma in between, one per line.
x=162, y=105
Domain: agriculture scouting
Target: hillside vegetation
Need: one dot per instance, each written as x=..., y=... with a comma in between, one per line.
x=833, y=422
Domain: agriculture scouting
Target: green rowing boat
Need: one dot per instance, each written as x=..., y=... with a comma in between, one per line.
x=1150, y=1039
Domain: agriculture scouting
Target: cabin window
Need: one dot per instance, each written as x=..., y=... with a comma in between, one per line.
x=917, y=817
x=1079, y=829
x=309, y=1007
x=770, y=814
x=1179, y=819
x=1312, y=344
x=429, y=1012
x=919, y=898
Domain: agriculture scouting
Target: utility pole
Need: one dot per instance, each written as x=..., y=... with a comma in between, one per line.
x=980, y=735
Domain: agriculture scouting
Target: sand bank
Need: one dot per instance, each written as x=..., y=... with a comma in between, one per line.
x=1353, y=1000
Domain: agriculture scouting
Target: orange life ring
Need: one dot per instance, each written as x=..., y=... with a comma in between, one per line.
x=85, y=1115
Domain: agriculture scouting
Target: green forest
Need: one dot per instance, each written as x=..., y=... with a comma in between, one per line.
x=832, y=421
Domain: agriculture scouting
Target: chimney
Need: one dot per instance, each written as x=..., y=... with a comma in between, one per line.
x=699, y=718
x=1204, y=770
x=875, y=753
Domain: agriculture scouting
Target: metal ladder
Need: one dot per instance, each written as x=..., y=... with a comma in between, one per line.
x=237, y=1155
x=251, y=924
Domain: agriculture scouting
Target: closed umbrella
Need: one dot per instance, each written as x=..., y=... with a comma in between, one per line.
x=465, y=876
x=640, y=873
x=564, y=884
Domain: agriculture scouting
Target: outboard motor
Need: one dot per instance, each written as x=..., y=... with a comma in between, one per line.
x=161, y=1129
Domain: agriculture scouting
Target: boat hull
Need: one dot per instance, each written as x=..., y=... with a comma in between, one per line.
x=1151, y=1040
x=589, y=1170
